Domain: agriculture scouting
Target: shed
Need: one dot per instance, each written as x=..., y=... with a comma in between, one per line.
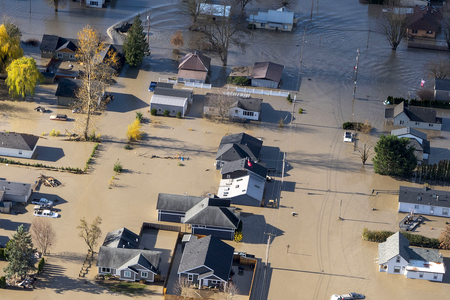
x=173, y=100
x=66, y=91
x=267, y=74
x=18, y=144
x=15, y=191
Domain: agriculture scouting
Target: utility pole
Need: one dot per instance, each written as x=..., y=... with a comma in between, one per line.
x=356, y=75
x=312, y=6
x=253, y=24
x=340, y=209
x=148, y=28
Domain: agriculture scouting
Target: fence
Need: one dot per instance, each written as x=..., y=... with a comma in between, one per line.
x=197, y=85
x=262, y=92
x=159, y=226
x=168, y=81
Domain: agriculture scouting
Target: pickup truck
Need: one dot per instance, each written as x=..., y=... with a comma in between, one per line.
x=42, y=201
x=152, y=86
x=349, y=296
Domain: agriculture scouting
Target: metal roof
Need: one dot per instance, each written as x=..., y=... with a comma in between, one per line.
x=168, y=100
x=273, y=16
x=159, y=90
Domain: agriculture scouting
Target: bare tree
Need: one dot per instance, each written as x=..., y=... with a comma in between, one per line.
x=230, y=291
x=439, y=69
x=43, y=234
x=286, y=3
x=57, y=3
x=364, y=152
x=243, y=3
x=445, y=23
x=425, y=94
x=393, y=24
x=182, y=287
x=190, y=8
x=224, y=29
x=96, y=75
x=90, y=233
x=220, y=105
x=444, y=239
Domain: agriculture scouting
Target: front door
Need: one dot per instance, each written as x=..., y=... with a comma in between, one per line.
x=431, y=210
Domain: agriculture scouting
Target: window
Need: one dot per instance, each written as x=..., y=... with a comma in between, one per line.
x=420, y=274
x=396, y=269
x=59, y=55
x=435, y=276
x=190, y=277
x=429, y=32
x=236, y=111
x=248, y=113
x=106, y=270
x=445, y=211
x=20, y=152
x=173, y=111
x=431, y=125
x=263, y=25
x=402, y=122
x=398, y=259
x=417, y=123
x=285, y=27
x=414, y=31
x=71, y=56
x=257, y=186
x=144, y=274
x=416, y=206
x=95, y=3
x=127, y=274
x=215, y=281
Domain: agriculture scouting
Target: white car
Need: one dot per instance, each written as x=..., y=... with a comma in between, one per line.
x=348, y=137
x=45, y=213
x=42, y=201
x=349, y=296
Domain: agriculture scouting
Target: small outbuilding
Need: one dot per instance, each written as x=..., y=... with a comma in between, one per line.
x=442, y=89
x=194, y=67
x=172, y=100
x=18, y=144
x=66, y=91
x=15, y=191
x=267, y=74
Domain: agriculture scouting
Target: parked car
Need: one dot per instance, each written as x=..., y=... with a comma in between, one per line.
x=349, y=296
x=45, y=213
x=348, y=137
x=42, y=206
x=152, y=86
x=58, y=117
x=387, y=102
x=40, y=109
x=42, y=201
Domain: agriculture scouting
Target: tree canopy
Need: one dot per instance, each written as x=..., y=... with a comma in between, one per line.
x=9, y=49
x=20, y=254
x=23, y=76
x=135, y=46
x=394, y=156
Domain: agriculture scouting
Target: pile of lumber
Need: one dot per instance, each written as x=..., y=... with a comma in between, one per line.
x=50, y=181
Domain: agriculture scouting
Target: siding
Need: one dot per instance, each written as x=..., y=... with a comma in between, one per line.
x=441, y=95
x=121, y=275
x=173, y=110
x=238, y=112
x=426, y=276
x=392, y=263
x=265, y=83
x=170, y=216
x=15, y=152
x=423, y=209
x=407, y=123
x=65, y=101
x=46, y=54
x=65, y=56
x=226, y=235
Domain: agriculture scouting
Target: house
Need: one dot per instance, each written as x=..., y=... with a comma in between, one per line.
x=237, y=146
x=194, y=67
x=18, y=144
x=206, y=261
x=120, y=256
x=416, y=117
x=237, y=106
x=15, y=191
x=423, y=22
x=395, y=256
x=417, y=139
x=267, y=74
x=172, y=100
x=206, y=216
x=243, y=182
x=53, y=46
x=66, y=93
x=424, y=201
x=111, y=51
x=281, y=19
x=95, y=3
x=442, y=89
x=213, y=11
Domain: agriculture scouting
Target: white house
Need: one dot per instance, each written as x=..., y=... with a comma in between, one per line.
x=95, y=3
x=17, y=144
x=396, y=257
x=239, y=107
x=281, y=19
x=172, y=100
x=424, y=201
x=410, y=116
x=417, y=139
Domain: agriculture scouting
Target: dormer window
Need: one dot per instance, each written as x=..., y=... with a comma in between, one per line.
x=419, y=198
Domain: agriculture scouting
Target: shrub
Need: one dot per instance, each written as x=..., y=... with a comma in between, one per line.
x=166, y=113
x=127, y=147
x=380, y=236
x=52, y=133
x=238, y=80
x=288, y=98
x=57, y=133
x=118, y=168
x=3, y=282
x=180, y=164
x=300, y=110
x=179, y=115
x=91, y=137
x=237, y=237
x=2, y=254
x=41, y=265
x=32, y=42
x=108, y=275
x=153, y=112
x=139, y=116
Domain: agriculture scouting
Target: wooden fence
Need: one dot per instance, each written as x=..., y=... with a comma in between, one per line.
x=160, y=227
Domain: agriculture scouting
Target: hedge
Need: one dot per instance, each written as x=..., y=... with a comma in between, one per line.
x=238, y=80
x=2, y=254
x=423, y=103
x=3, y=282
x=380, y=236
x=41, y=265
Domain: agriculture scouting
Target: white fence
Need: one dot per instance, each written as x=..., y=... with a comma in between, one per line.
x=262, y=92
x=168, y=81
x=197, y=85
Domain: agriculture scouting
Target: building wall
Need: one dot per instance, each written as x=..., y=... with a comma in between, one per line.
x=121, y=275
x=224, y=233
x=95, y=3
x=403, y=120
x=243, y=114
x=393, y=263
x=169, y=216
x=173, y=110
x=47, y=54
x=285, y=27
x=441, y=95
x=16, y=152
x=422, y=33
x=64, y=101
x=424, y=209
x=65, y=56
x=425, y=275
x=265, y=83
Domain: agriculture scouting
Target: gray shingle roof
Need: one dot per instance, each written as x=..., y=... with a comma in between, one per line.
x=424, y=196
x=210, y=252
x=442, y=84
x=68, y=87
x=250, y=104
x=242, y=165
x=49, y=42
x=121, y=238
x=395, y=245
x=178, y=203
x=14, y=188
x=207, y=214
x=19, y=141
x=118, y=257
x=419, y=114
x=172, y=92
x=424, y=254
x=237, y=146
x=409, y=130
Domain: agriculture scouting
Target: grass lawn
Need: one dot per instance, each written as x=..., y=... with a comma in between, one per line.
x=127, y=288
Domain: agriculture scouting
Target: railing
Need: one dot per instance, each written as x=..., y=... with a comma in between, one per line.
x=262, y=92
x=167, y=80
x=197, y=85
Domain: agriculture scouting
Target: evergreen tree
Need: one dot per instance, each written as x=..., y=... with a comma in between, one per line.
x=394, y=157
x=135, y=46
x=20, y=254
